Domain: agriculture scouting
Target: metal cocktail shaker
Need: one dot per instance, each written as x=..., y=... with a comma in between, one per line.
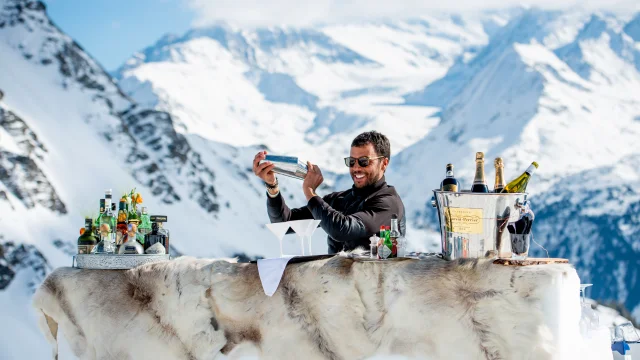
x=287, y=165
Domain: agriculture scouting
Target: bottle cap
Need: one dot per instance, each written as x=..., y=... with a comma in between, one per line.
x=449, y=166
x=158, y=218
x=498, y=161
x=479, y=155
x=394, y=216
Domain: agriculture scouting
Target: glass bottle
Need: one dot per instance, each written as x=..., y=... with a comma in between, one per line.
x=450, y=183
x=87, y=241
x=479, y=184
x=145, y=225
x=154, y=241
x=499, y=183
x=107, y=228
x=121, y=228
x=519, y=184
x=131, y=246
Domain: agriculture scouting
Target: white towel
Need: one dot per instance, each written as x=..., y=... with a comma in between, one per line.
x=270, y=271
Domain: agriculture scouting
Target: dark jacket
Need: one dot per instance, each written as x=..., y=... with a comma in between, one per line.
x=348, y=217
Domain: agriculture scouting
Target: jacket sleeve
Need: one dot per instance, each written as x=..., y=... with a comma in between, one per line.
x=350, y=228
x=279, y=211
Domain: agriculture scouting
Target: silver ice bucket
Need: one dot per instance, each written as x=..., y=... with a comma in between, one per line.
x=474, y=225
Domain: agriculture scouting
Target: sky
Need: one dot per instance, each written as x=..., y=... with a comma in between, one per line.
x=113, y=30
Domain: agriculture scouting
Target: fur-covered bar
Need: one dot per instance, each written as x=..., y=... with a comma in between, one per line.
x=338, y=308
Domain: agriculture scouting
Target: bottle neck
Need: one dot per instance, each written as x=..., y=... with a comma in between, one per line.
x=530, y=169
x=479, y=177
x=107, y=206
x=499, y=177
x=449, y=173
x=394, y=225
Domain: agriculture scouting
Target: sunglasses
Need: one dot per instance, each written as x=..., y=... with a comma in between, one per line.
x=362, y=161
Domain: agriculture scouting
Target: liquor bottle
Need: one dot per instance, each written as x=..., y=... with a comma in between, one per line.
x=145, y=225
x=131, y=246
x=160, y=220
x=479, y=185
x=87, y=240
x=519, y=184
x=450, y=183
x=154, y=241
x=499, y=183
x=96, y=222
x=121, y=227
x=394, y=235
x=382, y=251
x=107, y=227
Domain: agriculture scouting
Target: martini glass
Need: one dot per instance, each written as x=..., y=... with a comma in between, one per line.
x=279, y=230
x=304, y=229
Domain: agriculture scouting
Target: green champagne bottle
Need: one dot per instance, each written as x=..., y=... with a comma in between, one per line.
x=519, y=184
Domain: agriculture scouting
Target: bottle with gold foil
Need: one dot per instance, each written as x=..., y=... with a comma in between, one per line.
x=519, y=184
x=450, y=183
x=499, y=183
x=479, y=183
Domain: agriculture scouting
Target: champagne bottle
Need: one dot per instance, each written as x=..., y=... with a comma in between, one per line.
x=519, y=184
x=479, y=185
x=450, y=183
x=499, y=184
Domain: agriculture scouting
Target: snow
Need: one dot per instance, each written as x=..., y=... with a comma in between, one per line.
x=525, y=85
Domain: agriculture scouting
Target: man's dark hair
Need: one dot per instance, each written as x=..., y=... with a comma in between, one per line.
x=380, y=142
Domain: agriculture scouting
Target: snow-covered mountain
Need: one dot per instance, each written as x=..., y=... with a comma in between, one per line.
x=559, y=88
x=67, y=132
x=184, y=117
x=316, y=88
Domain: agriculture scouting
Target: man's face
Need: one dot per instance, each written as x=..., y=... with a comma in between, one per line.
x=363, y=176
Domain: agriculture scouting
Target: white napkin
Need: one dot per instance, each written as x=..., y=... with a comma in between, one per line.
x=270, y=271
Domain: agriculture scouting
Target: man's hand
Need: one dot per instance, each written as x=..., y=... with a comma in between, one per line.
x=265, y=170
x=312, y=180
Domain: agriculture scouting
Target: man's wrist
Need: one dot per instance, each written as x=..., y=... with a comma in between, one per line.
x=309, y=193
x=273, y=192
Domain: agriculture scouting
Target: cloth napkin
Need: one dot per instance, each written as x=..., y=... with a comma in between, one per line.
x=270, y=271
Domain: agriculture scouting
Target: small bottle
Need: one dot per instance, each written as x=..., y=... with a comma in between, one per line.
x=87, y=240
x=519, y=184
x=160, y=220
x=121, y=227
x=131, y=246
x=382, y=252
x=449, y=183
x=107, y=228
x=479, y=184
x=499, y=183
x=96, y=222
x=394, y=235
x=145, y=225
x=153, y=242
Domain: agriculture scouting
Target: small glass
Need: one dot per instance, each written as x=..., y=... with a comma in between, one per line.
x=589, y=320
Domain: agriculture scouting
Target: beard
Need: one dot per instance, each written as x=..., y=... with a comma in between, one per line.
x=362, y=178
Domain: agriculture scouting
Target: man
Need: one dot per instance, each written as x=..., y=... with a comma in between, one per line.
x=348, y=217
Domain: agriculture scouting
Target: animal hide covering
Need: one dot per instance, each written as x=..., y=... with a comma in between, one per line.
x=337, y=308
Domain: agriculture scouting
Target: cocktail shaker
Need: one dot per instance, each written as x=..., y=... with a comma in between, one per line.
x=287, y=165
